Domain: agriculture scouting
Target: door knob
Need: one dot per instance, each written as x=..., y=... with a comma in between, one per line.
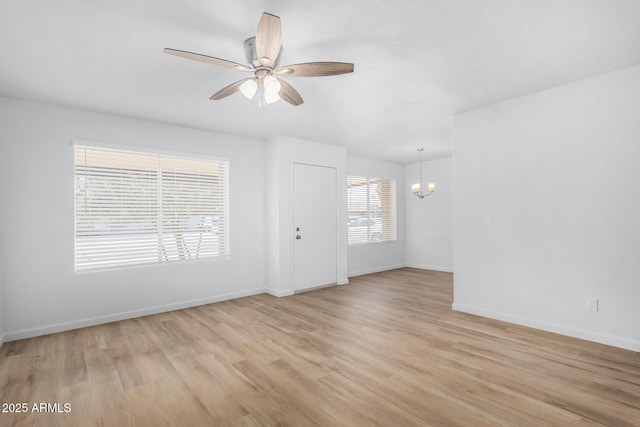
x=297, y=228
x=298, y=237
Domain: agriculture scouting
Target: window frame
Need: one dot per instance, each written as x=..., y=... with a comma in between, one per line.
x=391, y=213
x=222, y=192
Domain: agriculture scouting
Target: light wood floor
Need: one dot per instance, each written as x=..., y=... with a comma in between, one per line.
x=385, y=350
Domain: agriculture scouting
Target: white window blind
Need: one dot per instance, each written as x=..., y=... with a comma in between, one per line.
x=372, y=209
x=137, y=208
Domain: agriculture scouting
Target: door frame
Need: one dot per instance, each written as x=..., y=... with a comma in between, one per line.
x=292, y=228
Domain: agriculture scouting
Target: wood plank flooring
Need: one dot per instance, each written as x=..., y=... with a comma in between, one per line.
x=385, y=350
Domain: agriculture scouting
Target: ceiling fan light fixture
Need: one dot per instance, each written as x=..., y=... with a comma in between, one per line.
x=271, y=86
x=249, y=88
x=271, y=98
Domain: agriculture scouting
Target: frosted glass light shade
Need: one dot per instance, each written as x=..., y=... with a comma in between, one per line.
x=249, y=88
x=271, y=85
x=431, y=187
x=415, y=188
x=271, y=98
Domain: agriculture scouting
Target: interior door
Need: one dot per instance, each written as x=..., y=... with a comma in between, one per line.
x=315, y=233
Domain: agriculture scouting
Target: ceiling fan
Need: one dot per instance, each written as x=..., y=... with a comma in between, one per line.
x=263, y=55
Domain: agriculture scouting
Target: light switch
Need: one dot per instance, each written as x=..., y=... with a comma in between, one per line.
x=490, y=217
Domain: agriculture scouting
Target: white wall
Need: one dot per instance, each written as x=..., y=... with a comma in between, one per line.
x=559, y=170
x=1, y=322
x=380, y=256
x=429, y=221
x=281, y=154
x=1, y=223
x=41, y=292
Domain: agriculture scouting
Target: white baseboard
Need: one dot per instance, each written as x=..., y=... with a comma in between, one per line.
x=621, y=342
x=374, y=270
x=279, y=293
x=430, y=267
x=98, y=320
x=344, y=281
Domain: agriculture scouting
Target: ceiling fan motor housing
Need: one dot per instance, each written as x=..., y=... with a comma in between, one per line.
x=252, y=56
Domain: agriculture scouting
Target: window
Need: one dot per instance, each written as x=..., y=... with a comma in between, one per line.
x=137, y=208
x=372, y=209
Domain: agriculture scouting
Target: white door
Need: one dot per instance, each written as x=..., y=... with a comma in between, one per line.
x=315, y=227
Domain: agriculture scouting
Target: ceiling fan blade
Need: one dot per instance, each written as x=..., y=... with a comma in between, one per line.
x=205, y=58
x=316, y=69
x=289, y=94
x=268, y=38
x=229, y=90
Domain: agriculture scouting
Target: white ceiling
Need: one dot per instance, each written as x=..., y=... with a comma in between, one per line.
x=417, y=62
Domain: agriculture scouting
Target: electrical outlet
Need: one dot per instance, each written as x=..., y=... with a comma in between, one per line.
x=592, y=304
